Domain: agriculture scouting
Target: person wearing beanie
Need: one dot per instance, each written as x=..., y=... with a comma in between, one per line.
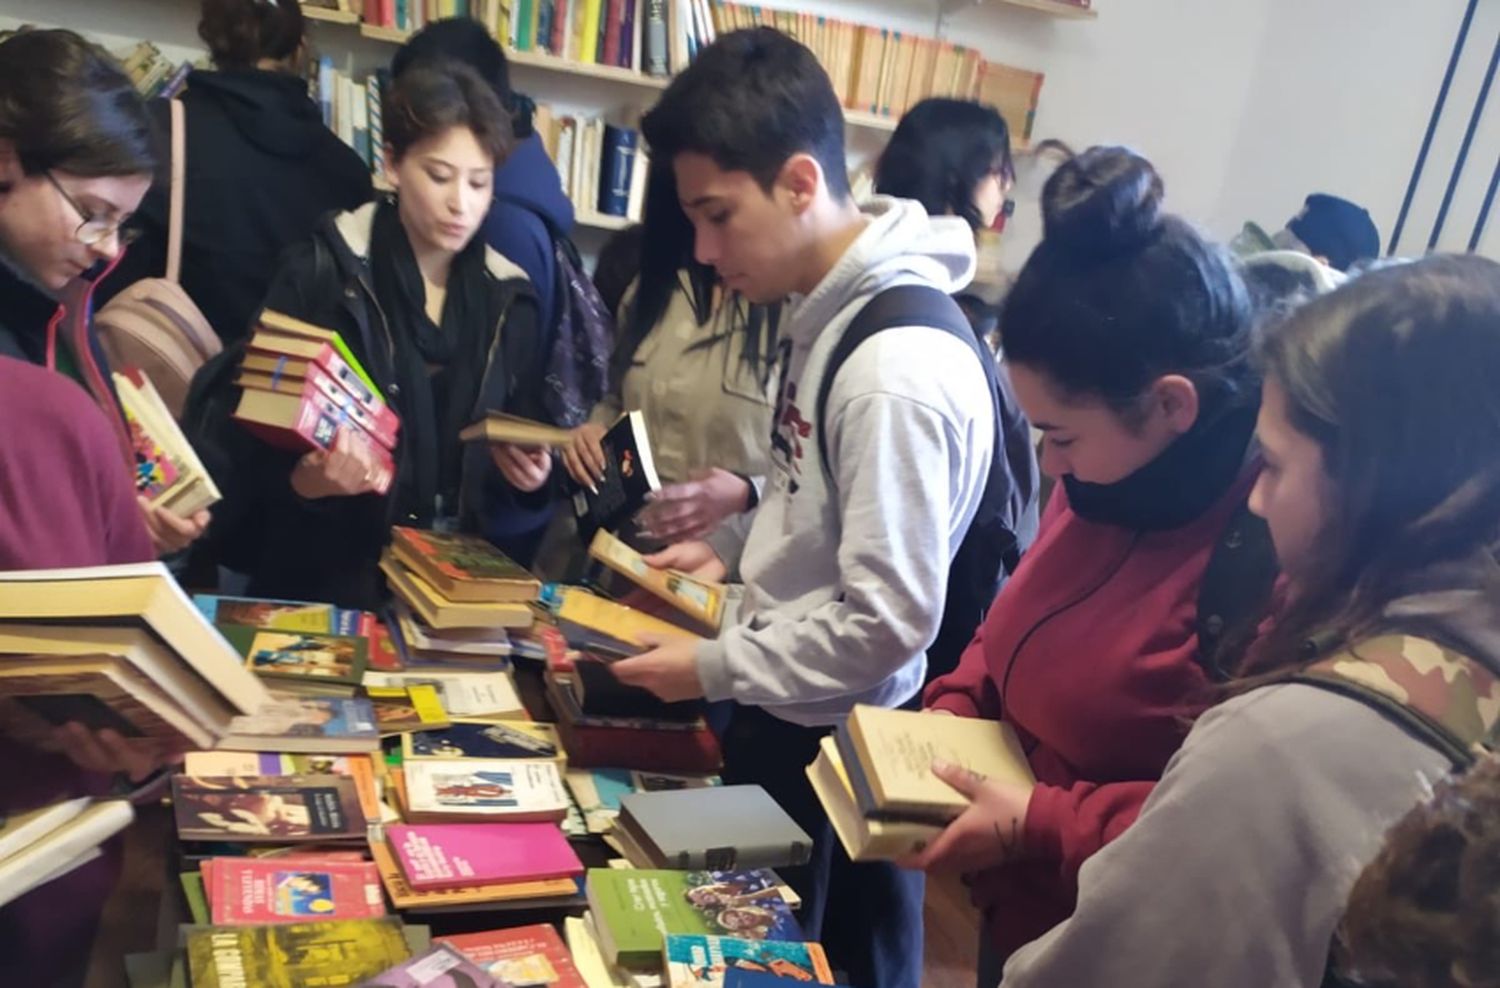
x=1335, y=231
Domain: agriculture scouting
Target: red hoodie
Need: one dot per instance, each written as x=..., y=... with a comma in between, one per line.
x=1090, y=652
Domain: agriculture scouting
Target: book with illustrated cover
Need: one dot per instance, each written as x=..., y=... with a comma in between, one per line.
x=703, y=961
x=634, y=910
x=360, y=768
x=281, y=328
x=521, y=956
x=484, y=790
x=441, y=612
x=306, y=724
x=301, y=660
x=308, y=422
x=456, y=855
x=699, y=602
x=267, y=809
x=285, y=615
x=246, y=890
x=403, y=896
x=440, y=967
x=294, y=955
x=629, y=476
x=498, y=427
x=463, y=567
x=378, y=422
x=462, y=694
x=483, y=739
x=605, y=627
x=168, y=472
x=399, y=709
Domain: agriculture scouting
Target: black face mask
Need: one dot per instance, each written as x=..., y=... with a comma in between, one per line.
x=1179, y=485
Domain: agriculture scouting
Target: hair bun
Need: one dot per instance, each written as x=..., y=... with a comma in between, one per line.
x=1102, y=203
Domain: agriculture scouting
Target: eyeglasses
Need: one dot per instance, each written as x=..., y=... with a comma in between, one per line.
x=94, y=230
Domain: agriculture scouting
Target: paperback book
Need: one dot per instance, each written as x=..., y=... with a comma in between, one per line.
x=267, y=809
x=247, y=890
x=476, y=789
x=523, y=956
x=456, y=855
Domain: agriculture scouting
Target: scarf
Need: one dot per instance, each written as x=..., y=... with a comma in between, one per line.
x=1179, y=485
x=439, y=368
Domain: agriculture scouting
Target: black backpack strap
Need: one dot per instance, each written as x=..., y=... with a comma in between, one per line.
x=1235, y=591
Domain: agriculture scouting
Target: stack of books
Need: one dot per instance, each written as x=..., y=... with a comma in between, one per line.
x=301, y=385
x=40, y=845
x=153, y=73
x=874, y=776
x=168, y=474
x=458, y=582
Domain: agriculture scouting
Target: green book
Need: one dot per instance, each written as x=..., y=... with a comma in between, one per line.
x=635, y=908
x=303, y=661
x=197, y=901
x=294, y=955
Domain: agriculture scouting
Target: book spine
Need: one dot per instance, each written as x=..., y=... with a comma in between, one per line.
x=588, y=36
x=382, y=428
x=630, y=36
x=614, y=22
x=546, y=14
x=558, y=42
x=655, y=40
x=376, y=112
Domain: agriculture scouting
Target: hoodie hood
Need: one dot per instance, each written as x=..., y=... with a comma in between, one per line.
x=271, y=110
x=900, y=244
x=529, y=178
x=1457, y=603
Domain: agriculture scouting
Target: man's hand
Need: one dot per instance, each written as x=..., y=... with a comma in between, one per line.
x=526, y=468
x=669, y=669
x=584, y=459
x=107, y=752
x=695, y=508
x=693, y=558
x=986, y=834
x=170, y=533
x=348, y=469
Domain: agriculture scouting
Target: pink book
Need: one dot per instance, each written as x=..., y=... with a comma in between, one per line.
x=453, y=855
x=281, y=890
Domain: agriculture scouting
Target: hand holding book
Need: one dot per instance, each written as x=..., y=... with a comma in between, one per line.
x=584, y=457
x=526, y=468
x=169, y=533
x=986, y=834
x=696, y=559
x=694, y=508
x=669, y=669
x=349, y=468
x=107, y=752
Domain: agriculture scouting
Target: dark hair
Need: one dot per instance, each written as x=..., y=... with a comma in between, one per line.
x=463, y=39
x=750, y=101
x=1337, y=229
x=239, y=33
x=432, y=96
x=1426, y=912
x=65, y=104
x=941, y=150
x=662, y=271
x=1393, y=377
x=1119, y=293
x=619, y=264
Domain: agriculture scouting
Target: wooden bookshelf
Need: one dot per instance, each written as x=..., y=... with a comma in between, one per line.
x=599, y=221
x=330, y=16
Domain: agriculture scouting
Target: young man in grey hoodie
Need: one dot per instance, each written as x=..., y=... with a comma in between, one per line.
x=844, y=581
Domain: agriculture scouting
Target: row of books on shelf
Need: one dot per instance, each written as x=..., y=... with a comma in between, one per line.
x=153, y=73
x=603, y=166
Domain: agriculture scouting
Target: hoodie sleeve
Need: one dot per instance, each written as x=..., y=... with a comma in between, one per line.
x=966, y=691
x=893, y=552
x=1238, y=870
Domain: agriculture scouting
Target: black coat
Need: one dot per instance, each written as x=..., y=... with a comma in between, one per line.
x=262, y=171
x=328, y=549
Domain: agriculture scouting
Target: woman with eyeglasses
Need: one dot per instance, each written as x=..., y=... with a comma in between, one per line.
x=74, y=161
x=76, y=157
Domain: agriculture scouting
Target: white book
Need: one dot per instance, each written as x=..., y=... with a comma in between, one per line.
x=464, y=694
x=60, y=850
x=20, y=829
x=349, y=97
x=485, y=788
x=640, y=33
x=493, y=642
x=567, y=130
x=636, y=208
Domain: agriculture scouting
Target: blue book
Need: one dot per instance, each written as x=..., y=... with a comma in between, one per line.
x=620, y=145
x=327, y=82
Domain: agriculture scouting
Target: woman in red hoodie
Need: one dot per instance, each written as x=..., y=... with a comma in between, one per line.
x=1127, y=337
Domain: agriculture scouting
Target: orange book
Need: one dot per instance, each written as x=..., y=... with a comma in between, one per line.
x=869, y=57
x=943, y=68
x=906, y=56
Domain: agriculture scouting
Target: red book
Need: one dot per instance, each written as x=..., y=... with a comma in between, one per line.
x=376, y=417
x=257, y=890
x=271, y=356
x=524, y=955
x=557, y=44
x=613, y=17
x=307, y=421
x=454, y=855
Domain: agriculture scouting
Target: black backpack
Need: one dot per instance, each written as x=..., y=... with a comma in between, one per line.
x=1005, y=522
x=582, y=338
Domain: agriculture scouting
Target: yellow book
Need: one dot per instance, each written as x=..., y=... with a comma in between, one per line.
x=863, y=839
x=700, y=601
x=497, y=427
x=440, y=612
x=588, y=37
x=888, y=755
x=399, y=709
x=592, y=622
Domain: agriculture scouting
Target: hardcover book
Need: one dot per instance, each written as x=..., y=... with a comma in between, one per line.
x=456, y=855
x=294, y=955
x=719, y=828
x=636, y=909
x=463, y=568
x=522, y=956
x=267, y=809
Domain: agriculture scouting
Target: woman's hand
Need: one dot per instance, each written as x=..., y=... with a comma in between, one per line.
x=170, y=533
x=986, y=834
x=694, y=509
x=349, y=468
x=584, y=459
x=693, y=558
x=526, y=468
x=107, y=752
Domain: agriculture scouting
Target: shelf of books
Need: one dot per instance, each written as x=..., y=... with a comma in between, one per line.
x=1066, y=9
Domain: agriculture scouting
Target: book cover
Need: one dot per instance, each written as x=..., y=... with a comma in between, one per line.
x=284, y=615
x=99, y=692
x=739, y=977
x=440, y=967
x=305, y=657
x=401, y=709
x=521, y=956
x=601, y=694
x=464, y=567
x=718, y=828
x=484, y=739
x=864, y=839
x=307, y=422
x=591, y=622
x=485, y=789
x=272, y=354
x=700, y=961
x=441, y=612
x=315, y=724
x=245, y=890
x=267, y=809
x=403, y=896
x=378, y=420
x=629, y=475
x=462, y=694
x=498, y=427
x=702, y=602
x=635, y=909
x=157, y=470
x=294, y=955
x=481, y=642
x=455, y=855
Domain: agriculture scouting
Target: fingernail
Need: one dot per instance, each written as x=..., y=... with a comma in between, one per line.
x=938, y=765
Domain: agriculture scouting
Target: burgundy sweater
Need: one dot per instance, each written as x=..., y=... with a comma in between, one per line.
x=1092, y=648
x=64, y=501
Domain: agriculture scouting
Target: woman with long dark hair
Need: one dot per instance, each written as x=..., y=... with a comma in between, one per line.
x=1380, y=428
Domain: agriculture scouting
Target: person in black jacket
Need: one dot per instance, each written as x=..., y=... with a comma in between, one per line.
x=262, y=169
x=446, y=327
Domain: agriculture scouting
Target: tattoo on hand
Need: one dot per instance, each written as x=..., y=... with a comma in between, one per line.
x=1012, y=842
